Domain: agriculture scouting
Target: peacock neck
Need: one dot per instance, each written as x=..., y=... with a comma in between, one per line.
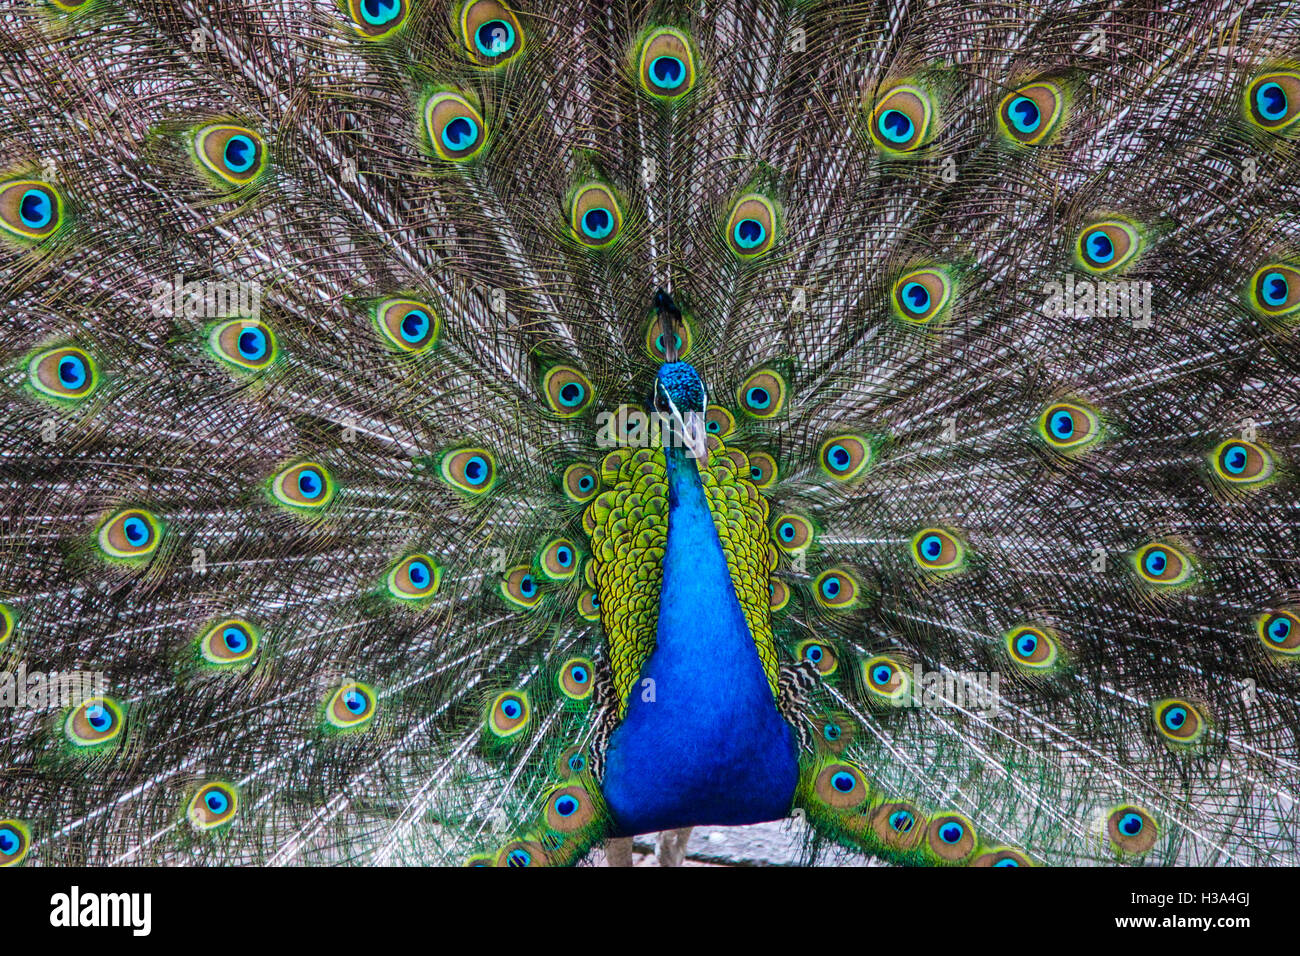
x=702, y=740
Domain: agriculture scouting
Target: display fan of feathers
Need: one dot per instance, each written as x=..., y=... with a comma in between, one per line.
x=470, y=433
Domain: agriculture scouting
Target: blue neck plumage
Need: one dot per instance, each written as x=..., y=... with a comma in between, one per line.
x=702, y=740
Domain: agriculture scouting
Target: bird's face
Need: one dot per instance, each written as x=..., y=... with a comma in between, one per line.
x=680, y=394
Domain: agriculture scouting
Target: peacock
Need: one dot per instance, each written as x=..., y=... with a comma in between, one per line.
x=471, y=433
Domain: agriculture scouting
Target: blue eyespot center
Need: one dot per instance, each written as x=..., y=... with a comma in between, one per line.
x=1131, y=824
x=598, y=223
x=787, y=531
x=252, y=344
x=72, y=371
x=1234, y=459
x=1279, y=629
x=240, y=153
x=1275, y=289
x=571, y=394
x=951, y=832
x=749, y=233
x=476, y=470
x=882, y=674
x=1062, y=425
x=838, y=457
x=494, y=37
x=518, y=857
x=415, y=325
x=586, y=483
x=99, y=717
x=1175, y=717
x=577, y=763
x=844, y=782
x=235, y=639
x=511, y=708
x=1100, y=248
x=1155, y=562
x=35, y=209
x=814, y=653
x=418, y=573
x=916, y=297
x=9, y=841
x=831, y=588
x=310, y=483
x=931, y=547
x=527, y=586
x=378, y=12
x=1007, y=861
x=667, y=72
x=895, y=126
x=579, y=674
x=566, y=805
x=136, y=531
x=460, y=133
x=564, y=556
x=758, y=397
x=832, y=732
x=1025, y=115
x=901, y=821
x=755, y=473
x=1271, y=101
x=216, y=801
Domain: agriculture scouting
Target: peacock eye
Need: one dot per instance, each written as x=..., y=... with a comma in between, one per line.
x=306, y=486
x=1069, y=428
x=751, y=227
x=30, y=210
x=1275, y=290
x=1107, y=246
x=842, y=786
x=1130, y=829
x=235, y=155
x=836, y=589
x=950, y=837
x=567, y=391
x=923, y=296
x=95, y=722
x=577, y=678
x=65, y=374
x=845, y=456
x=15, y=841
x=407, y=325
x=820, y=655
x=901, y=119
x=414, y=578
x=212, y=806
x=792, y=533
x=595, y=215
x=718, y=421
x=934, y=549
x=1033, y=648
x=508, y=714
x=1273, y=100
x=1178, y=721
x=377, y=19
x=885, y=679
x=569, y=808
x=229, y=642
x=667, y=67
x=130, y=534
x=350, y=706
x=1280, y=631
x=580, y=482
x=558, y=560
x=762, y=469
x=1241, y=462
x=1030, y=114
x=1162, y=564
x=519, y=587
x=454, y=127
x=491, y=32
x=762, y=394
x=469, y=469
x=244, y=343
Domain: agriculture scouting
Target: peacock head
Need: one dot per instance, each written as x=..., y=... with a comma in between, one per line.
x=680, y=394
